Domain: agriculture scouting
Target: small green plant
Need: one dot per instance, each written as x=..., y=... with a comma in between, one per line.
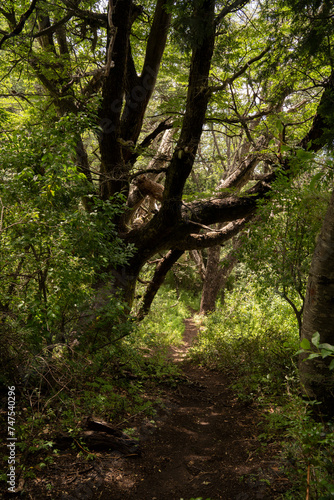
x=165, y=323
x=308, y=452
x=324, y=350
x=197, y=498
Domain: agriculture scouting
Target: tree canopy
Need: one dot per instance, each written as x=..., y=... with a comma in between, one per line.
x=189, y=111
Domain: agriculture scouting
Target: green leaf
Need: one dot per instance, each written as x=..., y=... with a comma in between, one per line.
x=304, y=155
x=313, y=355
x=305, y=344
x=316, y=339
x=325, y=353
x=331, y=366
x=327, y=347
x=315, y=179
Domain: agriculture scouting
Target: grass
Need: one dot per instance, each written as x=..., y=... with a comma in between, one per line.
x=164, y=326
x=115, y=384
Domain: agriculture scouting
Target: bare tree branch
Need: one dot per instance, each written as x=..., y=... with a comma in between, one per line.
x=51, y=29
x=20, y=25
x=238, y=73
x=237, y=4
x=140, y=93
x=150, y=138
x=162, y=268
x=195, y=241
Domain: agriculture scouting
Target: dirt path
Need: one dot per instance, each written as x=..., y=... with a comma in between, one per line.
x=203, y=444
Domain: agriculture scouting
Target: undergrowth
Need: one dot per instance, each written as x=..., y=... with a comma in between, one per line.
x=164, y=325
x=62, y=386
x=254, y=338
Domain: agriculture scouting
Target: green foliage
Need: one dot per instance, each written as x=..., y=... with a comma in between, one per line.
x=280, y=245
x=184, y=278
x=325, y=350
x=307, y=449
x=254, y=339
x=197, y=498
x=115, y=384
x=57, y=238
x=165, y=323
x=190, y=22
x=51, y=247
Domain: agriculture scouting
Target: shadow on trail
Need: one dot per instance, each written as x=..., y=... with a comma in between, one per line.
x=203, y=444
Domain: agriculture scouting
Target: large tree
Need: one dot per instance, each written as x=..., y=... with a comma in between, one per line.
x=316, y=377
x=235, y=69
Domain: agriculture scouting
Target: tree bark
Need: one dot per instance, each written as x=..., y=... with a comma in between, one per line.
x=121, y=125
x=216, y=276
x=316, y=378
x=197, y=257
x=197, y=101
x=211, y=285
x=142, y=183
x=158, y=278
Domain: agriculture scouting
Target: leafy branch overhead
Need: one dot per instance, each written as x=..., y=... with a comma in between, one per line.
x=20, y=25
x=190, y=113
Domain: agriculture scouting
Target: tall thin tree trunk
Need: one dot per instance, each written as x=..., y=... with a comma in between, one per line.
x=212, y=281
x=316, y=378
x=216, y=276
x=197, y=257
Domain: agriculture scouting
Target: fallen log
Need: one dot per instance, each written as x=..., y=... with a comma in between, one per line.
x=99, y=436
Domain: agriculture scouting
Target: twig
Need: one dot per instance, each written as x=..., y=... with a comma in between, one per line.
x=2, y=213
x=77, y=442
x=308, y=482
x=130, y=418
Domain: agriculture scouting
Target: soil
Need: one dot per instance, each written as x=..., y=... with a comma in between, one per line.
x=203, y=445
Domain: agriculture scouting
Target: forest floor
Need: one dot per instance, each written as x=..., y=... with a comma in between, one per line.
x=204, y=444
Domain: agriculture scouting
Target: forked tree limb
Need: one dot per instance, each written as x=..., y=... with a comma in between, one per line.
x=241, y=71
x=52, y=29
x=229, y=8
x=140, y=91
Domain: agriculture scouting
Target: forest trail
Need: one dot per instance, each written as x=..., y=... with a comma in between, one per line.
x=205, y=444
x=202, y=445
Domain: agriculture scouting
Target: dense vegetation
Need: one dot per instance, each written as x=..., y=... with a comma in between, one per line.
x=159, y=161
